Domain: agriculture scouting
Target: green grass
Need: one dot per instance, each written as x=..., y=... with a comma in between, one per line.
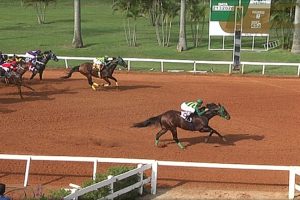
x=102, y=32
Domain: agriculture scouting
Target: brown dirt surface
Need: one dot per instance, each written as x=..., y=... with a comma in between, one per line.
x=66, y=117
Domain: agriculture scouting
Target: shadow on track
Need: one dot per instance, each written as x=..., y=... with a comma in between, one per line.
x=126, y=87
x=231, y=140
x=36, y=96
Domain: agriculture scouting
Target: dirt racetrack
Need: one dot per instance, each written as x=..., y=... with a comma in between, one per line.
x=65, y=117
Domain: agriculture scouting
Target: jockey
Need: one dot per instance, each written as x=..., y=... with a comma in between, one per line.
x=187, y=108
x=2, y=57
x=31, y=58
x=9, y=67
x=100, y=62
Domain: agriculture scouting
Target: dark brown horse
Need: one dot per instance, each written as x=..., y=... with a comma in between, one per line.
x=170, y=120
x=106, y=73
x=15, y=77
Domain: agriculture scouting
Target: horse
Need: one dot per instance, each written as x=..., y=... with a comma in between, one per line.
x=170, y=120
x=15, y=77
x=106, y=73
x=42, y=62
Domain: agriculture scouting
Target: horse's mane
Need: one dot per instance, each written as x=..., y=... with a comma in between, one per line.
x=211, y=106
x=47, y=52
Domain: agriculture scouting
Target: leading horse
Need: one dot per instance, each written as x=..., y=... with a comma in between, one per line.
x=89, y=71
x=170, y=120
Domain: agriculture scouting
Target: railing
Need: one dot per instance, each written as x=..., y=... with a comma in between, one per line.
x=194, y=63
x=94, y=160
x=110, y=182
x=293, y=170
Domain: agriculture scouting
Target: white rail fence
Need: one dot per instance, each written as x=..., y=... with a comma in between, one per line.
x=194, y=63
x=293, y=170
x=110, y=182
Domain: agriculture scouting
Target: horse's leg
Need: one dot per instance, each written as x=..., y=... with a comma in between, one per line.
x=116, y=82
x=91, y=83
x=41, y=74
x=24, y=85
x=33, y=75
x=159, y=134
x=175, y=138
x=108, y=82
x=212, y=131
x=20, y=91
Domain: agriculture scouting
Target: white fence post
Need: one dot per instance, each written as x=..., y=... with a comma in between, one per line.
x=295, y=186
x=243, y=65
x=128, y=63
x=141, y=174
x=154, y=177
x=298, y=73
x=292, y=177
x=66, y=63
x=263, y=69
x=162, y=66
x=229, y=71
x=111, y=185
x=95, y=169
x=27, y=171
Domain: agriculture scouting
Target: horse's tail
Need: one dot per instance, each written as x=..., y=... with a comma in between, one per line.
x=74, y=69
x=149, y=122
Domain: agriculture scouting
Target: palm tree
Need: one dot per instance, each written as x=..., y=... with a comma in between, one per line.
x=296, y=38
x=182, y=46
x=282, y=16
x=197, y=12
x=131, y=10
x=77, y=39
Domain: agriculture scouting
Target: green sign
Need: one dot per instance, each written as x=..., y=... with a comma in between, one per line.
x=224, y=10
x=254, y=15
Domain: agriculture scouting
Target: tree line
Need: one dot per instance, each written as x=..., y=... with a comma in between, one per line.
x=284, y=20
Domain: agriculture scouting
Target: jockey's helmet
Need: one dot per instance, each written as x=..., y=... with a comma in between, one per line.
x=199, y=101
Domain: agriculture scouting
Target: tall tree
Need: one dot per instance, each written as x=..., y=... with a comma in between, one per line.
x=296, y=38
x=197, y=12
x=131, y=10
x=40, y=7
x=77, y=39
x=161, y=14
x=182, y=45
x=282, y=17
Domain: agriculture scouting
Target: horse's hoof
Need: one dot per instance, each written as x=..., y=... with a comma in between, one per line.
x=94, y=88
x=181, y=146
x=156, y=142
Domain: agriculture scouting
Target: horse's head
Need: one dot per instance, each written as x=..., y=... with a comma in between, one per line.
x=223, y=112
x=49, y=55
x=219, y=109
x=121, y=62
